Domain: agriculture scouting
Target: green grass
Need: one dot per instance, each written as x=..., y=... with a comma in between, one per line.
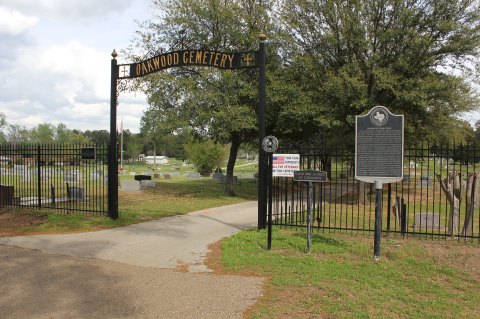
x=171, y=197
x=339, y=279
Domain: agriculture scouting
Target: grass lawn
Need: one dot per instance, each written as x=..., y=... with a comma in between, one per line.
x=339, y=279
x=171, y=197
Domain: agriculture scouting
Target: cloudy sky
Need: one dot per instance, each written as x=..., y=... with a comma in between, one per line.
x=55, y=61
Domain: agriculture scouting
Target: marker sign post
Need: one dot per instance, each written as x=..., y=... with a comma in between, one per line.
x=310, y=177
x=269, y=145
x=379, y=144
x=280, y=165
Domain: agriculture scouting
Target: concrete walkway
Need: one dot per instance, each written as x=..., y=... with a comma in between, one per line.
x=165, y=243
x=128, y=272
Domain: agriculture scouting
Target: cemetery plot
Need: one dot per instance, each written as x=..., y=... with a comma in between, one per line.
x=348, y=204
x=40, y=176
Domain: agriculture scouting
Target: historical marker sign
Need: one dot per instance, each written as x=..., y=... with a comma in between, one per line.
x=379, y=145
x=310, y=176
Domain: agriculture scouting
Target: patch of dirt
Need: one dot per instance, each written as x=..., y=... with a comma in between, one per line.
x=214, y=262
x=13, y=223
x=459, y=255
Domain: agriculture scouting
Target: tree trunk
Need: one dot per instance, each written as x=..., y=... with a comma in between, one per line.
x=452, y=188
x=473, y=184
x=361, y=192
x=230, y=166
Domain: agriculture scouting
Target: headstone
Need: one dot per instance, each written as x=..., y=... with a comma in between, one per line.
x=426, y=181
x=96, y=176
x=26, y=176
x=130, y=185
x=217, y=176
x=147, y=184
x=223, y=179
x=156, y=175
x=20, y=169
x=72, y=177
x=193, y=175
x=175, y=174
x=142, y=177
x=6, y=195
x=167, y=176
x=427, y=221
x=133, y=173
x=246, y=176
x=77, y=193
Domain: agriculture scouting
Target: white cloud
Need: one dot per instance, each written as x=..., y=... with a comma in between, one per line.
x=66, y=83
x=79, y=10
x=13, y=22
x=55, y=61
x=80, y=71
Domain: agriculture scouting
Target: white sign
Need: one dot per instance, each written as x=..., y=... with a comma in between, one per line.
x=285, y=164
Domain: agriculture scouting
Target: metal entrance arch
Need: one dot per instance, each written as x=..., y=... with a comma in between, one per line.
x=207, y=58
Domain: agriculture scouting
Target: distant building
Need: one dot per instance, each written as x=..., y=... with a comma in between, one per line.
x=156, y=160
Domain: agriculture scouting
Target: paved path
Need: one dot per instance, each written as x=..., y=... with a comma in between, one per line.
x=128, y=272
x=165, y=243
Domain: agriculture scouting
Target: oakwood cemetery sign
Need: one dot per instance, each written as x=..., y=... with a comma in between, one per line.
x=186, y=58
x=379, y=144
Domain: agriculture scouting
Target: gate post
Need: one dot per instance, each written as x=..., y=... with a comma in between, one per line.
x=112, y=148
x=262, y=167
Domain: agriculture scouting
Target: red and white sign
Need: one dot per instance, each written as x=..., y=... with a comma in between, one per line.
x=283, y=165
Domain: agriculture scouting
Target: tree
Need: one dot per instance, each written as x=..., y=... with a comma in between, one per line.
x=98, y=137
x=205, y=156
x=17, y=134
x=410, y=56
x=3, y=123
x=212, y=104
x=43, y=133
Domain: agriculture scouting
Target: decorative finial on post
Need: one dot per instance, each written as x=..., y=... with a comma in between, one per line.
x=114, y=54
x=262, y=37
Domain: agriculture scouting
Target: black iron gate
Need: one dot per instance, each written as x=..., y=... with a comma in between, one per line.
x=66, y=177
x=417, y=206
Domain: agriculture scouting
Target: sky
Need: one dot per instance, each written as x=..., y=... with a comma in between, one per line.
x=55, y=61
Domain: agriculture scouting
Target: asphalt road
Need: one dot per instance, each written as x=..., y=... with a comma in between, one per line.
x=127, y=272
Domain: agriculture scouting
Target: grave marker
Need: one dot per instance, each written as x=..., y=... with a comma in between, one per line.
x=131, y=185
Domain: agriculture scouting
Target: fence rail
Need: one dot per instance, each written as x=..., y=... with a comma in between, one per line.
x=70, y=178
x=417, y=206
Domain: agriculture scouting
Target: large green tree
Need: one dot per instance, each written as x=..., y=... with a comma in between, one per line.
x=409, y=55
x=3, y=124
x=212, y=104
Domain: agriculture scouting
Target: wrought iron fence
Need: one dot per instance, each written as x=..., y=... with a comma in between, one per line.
x=70, y=178
x=438, y=197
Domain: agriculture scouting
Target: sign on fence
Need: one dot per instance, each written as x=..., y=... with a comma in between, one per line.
x=284, y=165
x=310, y=176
